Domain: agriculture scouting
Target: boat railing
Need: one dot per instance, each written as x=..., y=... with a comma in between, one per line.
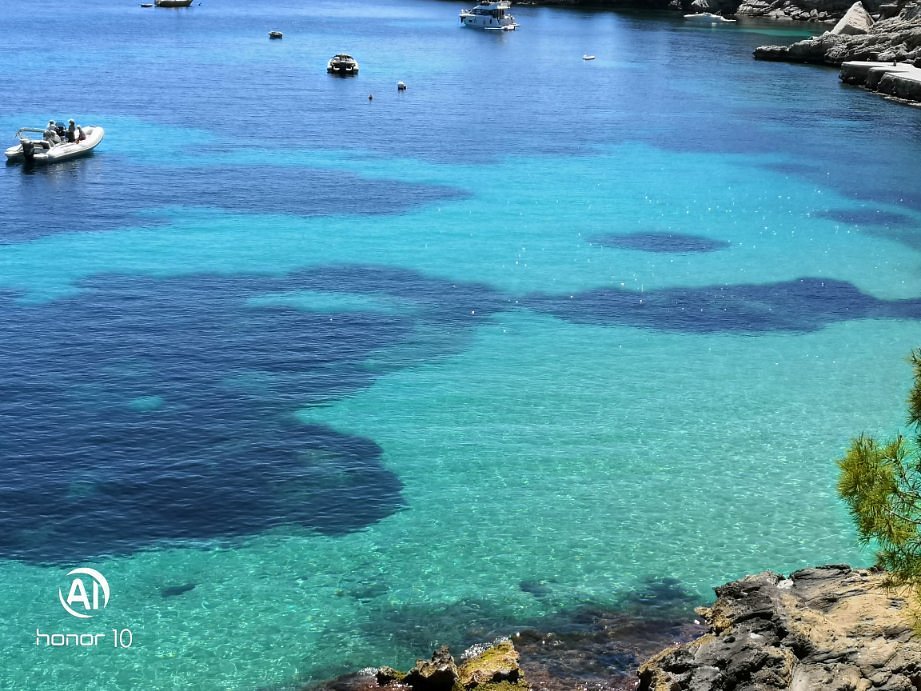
x=37, y=130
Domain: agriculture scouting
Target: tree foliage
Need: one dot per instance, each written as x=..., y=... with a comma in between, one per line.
x=881, y=484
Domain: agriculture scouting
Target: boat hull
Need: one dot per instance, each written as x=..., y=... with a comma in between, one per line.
x=342, y=65
x=489, y=15
x=173, y=3
x=707, y=18
x=59, y=152
x=487, y=23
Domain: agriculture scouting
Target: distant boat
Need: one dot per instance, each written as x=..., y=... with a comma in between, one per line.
x=275, y=34
x=707, y=18
x=173, y=3
x=489, y=15
x=41, y=150
x=588, y=57
x=146, y=4
x=342, y=64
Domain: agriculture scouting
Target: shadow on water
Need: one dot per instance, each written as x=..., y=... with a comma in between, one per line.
x=798, y=306
x=660, y=242
x=142, y=410
x=78, y=195
x=145, y=410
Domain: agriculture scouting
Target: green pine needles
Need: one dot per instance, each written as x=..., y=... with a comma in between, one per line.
x=881, y=484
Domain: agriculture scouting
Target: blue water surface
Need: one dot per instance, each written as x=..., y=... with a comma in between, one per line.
x=321, y=374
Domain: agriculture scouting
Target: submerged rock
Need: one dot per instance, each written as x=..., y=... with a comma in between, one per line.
x=830, y=627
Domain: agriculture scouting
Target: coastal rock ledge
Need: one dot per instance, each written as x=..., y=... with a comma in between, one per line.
x=488, y=668
x=833, y=628
x=897, y=39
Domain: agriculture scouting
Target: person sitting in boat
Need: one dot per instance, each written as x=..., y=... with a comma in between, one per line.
x=74, y=132
x=50, y=134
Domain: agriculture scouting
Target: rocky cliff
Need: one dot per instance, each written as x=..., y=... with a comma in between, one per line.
x=832, y=628
x=801, y=10
x=897, y=39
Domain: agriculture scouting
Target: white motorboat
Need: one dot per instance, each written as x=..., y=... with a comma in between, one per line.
x=342, y=64
x=490, y=15
x=707, y=18
x=42, y=150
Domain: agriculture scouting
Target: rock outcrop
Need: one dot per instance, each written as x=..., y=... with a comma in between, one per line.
x=855, y=21
x=897, y=39
x=489, y=668
x=800, y=10
x=832, y=628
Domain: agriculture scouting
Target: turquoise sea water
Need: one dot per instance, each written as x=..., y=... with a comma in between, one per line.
x=318, y=382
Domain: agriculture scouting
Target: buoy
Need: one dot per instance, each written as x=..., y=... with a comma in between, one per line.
x=370, y=97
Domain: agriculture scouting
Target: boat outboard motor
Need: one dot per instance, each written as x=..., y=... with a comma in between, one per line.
x=28, y=149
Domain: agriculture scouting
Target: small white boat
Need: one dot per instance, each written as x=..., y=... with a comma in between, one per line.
x=490, y=15
x=173, y=3
x=41, y=150
x=707, y=18
x=588, y=57
x=342, y=64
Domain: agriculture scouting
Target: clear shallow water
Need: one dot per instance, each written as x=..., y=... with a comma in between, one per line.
x=318, y=381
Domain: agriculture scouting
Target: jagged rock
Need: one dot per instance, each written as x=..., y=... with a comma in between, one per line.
x=830, y=628
x=498, y=663
x=813, y=50
x=437, y=674
x=387, y=675
x=856, y=21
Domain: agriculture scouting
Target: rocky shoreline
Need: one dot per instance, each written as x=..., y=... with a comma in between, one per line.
x=816, y=11
x=896, y=39
x=867, y=31
x=831, y=627
x=883, y=56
